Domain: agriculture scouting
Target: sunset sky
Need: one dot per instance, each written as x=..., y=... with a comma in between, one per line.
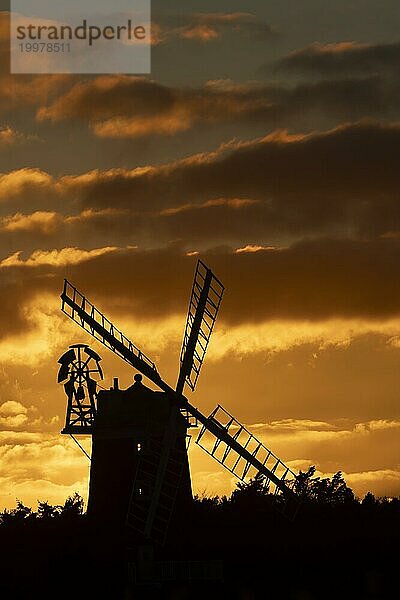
x=266, y=141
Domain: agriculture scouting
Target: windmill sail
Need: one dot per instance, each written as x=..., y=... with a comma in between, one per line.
x=81, y=311
x=147, y=514
x=278, y=477
x=204, y=305
x=241, y=453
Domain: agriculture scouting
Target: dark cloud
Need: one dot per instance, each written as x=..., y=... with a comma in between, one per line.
x=107, y=96
x=23, y=90
x=135, y=107
x=344, y=58
x=314, y=280
x=346, y=177
x=12, y=318
x=272, y=190
x=208, y=27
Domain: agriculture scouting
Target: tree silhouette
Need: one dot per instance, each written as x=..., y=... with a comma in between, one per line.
x=71, y=510
x=303, y=482
x=249, y=491
x=331, y=491
x=73, y=507
x=369, y=501
x=48, y=511
x=16, y=515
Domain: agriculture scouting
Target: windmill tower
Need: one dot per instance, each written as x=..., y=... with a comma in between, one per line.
x=139, y=458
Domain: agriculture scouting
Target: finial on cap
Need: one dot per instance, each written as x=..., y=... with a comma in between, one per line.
x=138, y=378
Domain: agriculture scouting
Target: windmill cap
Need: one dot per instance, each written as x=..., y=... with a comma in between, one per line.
x=138, y=378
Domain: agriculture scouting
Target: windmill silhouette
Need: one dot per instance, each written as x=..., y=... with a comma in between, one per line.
x=139, y=455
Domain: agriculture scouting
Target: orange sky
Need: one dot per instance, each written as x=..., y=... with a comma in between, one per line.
x=269, y=151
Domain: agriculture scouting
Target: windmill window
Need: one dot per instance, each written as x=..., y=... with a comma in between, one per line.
x=142, y=491
x=139, y=446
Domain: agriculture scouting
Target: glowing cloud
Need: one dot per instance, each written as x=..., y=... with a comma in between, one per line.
x=24, y=181
x=251, y=249
x=42, y=221
x=55, y=258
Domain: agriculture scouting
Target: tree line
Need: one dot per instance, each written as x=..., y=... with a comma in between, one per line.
x=315, y=492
